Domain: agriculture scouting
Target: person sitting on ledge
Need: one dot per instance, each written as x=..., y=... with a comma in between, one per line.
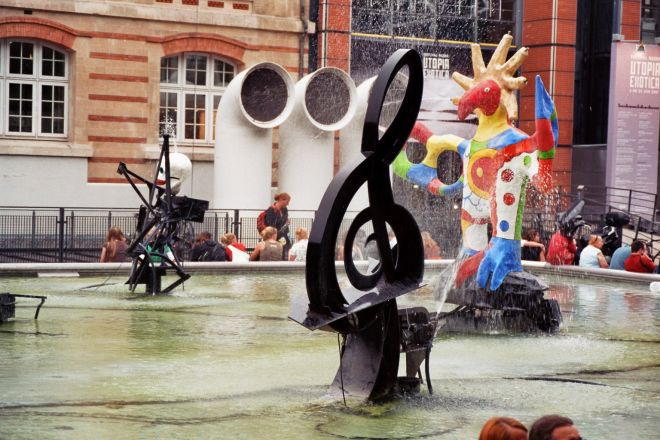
x=638, y=261
x=269, y=249
x=115, y=247
x=431, y=248
x=298, y=251
x=532, y=248
x=561, y=250
x=235, y=250
x=207, y=249
x=503, y=428
x=592, y=256
x=554, y=427
x=619, y=257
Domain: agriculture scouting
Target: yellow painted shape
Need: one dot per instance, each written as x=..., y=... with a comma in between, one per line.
x=491, y=126
x=436, y=145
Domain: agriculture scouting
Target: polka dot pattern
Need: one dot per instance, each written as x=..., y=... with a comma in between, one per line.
x=504, y=225
x=509, y=199
x=507, y=175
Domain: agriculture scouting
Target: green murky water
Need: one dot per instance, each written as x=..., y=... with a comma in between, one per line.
x=221, y=360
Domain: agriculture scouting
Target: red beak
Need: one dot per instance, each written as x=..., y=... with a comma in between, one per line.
x=484, y=96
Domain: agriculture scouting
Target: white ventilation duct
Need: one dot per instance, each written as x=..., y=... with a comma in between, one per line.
x=350, y=141
x=324, y=102
x=255, y=101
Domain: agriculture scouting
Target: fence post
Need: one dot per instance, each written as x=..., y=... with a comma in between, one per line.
x=215, y=225
x=34, y=229
x=629, y=199
x=61, y=232
x=109, y=220
x=236, y=225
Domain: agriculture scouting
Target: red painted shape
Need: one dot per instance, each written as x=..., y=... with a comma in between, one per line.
x=468, y=268
x=507, y=175
x=509, y=199
x=484, y=96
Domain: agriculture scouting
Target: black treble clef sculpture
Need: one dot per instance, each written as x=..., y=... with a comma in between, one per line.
x=370, y=357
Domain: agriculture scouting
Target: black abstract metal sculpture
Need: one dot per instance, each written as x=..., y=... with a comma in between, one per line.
x=366, y=314
x=8, y=305
x=160, y=216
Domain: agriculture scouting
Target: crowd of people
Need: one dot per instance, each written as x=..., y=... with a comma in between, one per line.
x=550, y=427
x=276, y=245
x=563, y=250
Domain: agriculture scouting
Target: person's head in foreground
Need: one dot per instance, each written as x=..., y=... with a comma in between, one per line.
x=554, y=427
x=503, y=428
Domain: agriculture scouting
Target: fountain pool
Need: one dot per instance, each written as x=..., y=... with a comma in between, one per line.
x=220, y=359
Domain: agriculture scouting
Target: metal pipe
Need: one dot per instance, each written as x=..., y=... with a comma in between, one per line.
x=255, y=101
x=324, y=102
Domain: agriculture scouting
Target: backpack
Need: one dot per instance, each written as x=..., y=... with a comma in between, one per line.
x=214, y=252
x=261, y=221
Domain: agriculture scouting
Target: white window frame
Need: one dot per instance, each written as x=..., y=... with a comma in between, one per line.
x=181, y=89
x=37, y=79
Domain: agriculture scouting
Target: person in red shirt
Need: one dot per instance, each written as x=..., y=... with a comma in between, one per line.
x=561, y=249
x=638, y=261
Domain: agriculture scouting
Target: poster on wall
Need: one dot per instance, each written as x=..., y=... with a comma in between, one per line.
x=633, y=126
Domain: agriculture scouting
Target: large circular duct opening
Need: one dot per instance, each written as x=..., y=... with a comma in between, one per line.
x=264, y=94
x=327, y=98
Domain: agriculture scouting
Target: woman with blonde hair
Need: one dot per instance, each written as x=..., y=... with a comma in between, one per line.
x=269, y=249
x=235, y=250
x=298, y=251
x=114, y=248
x=503, y=428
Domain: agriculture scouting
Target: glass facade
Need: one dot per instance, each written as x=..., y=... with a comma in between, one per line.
x=483, y=21
x=650, y=26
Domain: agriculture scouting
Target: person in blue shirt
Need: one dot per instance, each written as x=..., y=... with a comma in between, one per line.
x=619, y=257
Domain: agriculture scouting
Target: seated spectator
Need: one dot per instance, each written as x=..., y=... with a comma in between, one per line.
x=207, y=249
x=235, y=250
x=356, y=253
x=532, y=248
x=503, y=428
x=639, y=261
x=561, y=250
x=269, y=249
x=115, y=246
x=619, y=257
x=592, y=256
x=554, y=427
x=298, y=251
x=431, y=248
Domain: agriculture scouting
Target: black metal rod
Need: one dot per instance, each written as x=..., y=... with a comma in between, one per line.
x=61, y=232
x=42, y=298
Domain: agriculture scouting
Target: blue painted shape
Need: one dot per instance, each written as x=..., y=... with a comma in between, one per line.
x=502, y=257
x=463, y=147
x=504, y=225
x=507, y=137
x=421, y=174
x=543, y=105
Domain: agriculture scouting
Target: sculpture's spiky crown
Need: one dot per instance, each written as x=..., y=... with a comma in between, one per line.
x=499, y=70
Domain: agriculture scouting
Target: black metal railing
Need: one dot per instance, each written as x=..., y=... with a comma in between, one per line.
x=77, y=234
x=51, y=235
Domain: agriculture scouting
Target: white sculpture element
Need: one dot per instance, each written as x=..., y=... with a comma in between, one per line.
x=180, y=171
x=324, y=102
x=255, y=101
